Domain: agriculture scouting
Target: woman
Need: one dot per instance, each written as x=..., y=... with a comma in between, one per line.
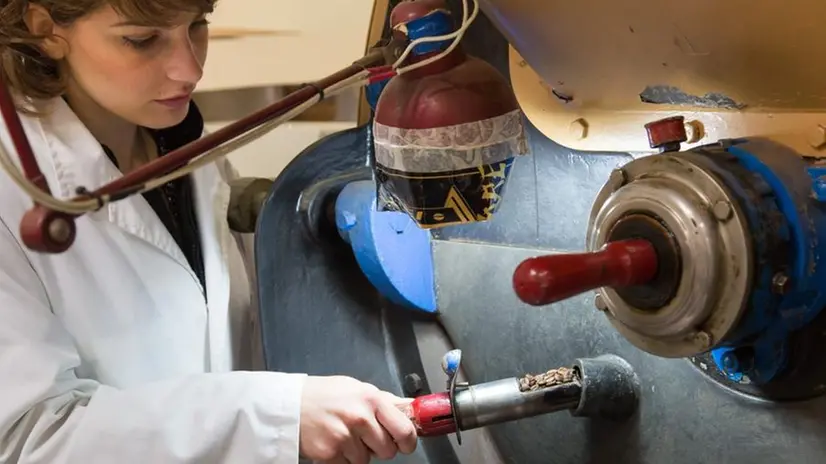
x=121, y=349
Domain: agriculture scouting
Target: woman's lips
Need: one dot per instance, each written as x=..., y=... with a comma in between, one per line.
x=176, y=102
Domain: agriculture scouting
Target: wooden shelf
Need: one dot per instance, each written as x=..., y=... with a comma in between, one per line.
x=223, y=33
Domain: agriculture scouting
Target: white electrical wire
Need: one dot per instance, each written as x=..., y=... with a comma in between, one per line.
x=82, y=206
x=248, y=137
x=456, y=36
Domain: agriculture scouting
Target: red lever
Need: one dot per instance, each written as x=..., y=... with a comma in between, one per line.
x=432, y=415
x=548, y=279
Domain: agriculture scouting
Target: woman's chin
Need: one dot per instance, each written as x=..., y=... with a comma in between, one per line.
x=162, y=117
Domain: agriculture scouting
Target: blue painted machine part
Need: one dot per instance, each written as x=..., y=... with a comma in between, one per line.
x=392, y=252
x=435, y=24
x=373, y=91
x=818, y=175
x=782, y=205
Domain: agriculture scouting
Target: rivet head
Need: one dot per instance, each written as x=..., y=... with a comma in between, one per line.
x=722, y=210
x=704, y=339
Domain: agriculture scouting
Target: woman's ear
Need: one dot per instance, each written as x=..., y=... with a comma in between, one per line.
x=40, y=23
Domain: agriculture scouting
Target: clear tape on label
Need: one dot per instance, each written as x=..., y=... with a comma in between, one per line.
x=451, y=148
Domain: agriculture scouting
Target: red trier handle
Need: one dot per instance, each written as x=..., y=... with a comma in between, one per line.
x=432, y=415
x=548, y=279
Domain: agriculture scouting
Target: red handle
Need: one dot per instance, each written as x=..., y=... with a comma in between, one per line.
x=548, y=279
x=432, y=415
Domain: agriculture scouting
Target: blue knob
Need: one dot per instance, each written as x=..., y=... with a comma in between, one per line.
x=451, y=361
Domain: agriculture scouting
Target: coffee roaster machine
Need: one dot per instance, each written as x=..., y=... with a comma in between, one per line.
x=666, y=230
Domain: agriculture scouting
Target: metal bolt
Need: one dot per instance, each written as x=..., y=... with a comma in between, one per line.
x=579, y=129
x=694, y=131
x=817, y=137
x=703, y=338
x=617, y=179
x=413, y=384
x=60, y=231
x=780, y=283
x=722, y=210
x=599, y=303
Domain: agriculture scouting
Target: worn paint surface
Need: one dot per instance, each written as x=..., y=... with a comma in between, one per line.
x=671, y=95
x=637, y=62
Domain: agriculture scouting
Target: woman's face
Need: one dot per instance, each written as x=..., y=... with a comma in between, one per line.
x=140, y=73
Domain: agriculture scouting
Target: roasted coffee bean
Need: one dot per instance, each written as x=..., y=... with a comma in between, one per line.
x=548, y=379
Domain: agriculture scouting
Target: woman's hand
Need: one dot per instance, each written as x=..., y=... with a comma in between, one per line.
x=347, y=421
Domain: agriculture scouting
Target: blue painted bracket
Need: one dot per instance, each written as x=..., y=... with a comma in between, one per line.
x=761, y=350
x=818, y=176
x=392, y=251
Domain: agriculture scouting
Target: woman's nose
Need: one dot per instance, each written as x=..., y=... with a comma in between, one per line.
x=185, y=63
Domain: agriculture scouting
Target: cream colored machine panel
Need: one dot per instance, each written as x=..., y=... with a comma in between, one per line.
x=590, y=74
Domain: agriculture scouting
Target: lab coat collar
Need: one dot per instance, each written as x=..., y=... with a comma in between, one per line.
x=79, y=161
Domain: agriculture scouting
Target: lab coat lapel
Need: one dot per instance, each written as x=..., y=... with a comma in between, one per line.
x=212, y=201
x=79, y=161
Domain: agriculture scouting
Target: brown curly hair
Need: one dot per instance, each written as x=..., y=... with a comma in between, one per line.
x=34, y=75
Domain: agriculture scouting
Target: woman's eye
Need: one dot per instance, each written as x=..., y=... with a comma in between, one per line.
x=139, y=42
x=145, y=42
x=200, y=23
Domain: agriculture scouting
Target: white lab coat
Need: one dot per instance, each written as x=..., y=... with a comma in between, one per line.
x=108, y=352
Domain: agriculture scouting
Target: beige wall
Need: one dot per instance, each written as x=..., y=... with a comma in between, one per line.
x=305, y=45
x=269, y=155
x=289, y=43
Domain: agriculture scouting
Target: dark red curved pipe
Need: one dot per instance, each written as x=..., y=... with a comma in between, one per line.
x=48, y=231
